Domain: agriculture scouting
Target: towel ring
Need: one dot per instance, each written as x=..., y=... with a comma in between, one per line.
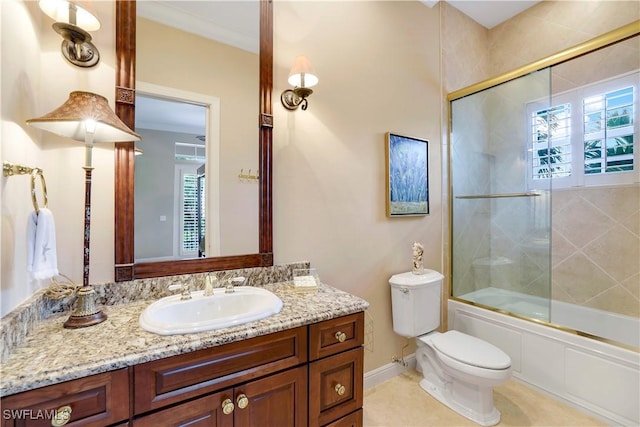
x=34, y=199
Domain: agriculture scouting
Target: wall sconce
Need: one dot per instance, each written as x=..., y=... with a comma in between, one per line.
x=86, y=117
x=72, y=23
x=302, y=78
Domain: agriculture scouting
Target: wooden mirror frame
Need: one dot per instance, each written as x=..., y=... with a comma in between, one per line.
x=125, y=266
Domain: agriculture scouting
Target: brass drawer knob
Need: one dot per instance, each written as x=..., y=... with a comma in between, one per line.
x=227, y=406
x=341, y=336
x=242, y=401
x=340, y=389
x=63, y=416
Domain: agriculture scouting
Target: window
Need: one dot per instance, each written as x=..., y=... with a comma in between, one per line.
x=551, y=142
x=186, y=152
x=608, y=132
x=190, y=235
x=588, y=136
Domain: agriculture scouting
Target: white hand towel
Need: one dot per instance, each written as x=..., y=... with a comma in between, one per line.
x=42, y=258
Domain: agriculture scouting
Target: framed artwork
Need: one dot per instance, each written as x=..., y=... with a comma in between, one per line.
x=407, y=161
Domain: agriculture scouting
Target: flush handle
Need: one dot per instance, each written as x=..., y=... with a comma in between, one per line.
x=404, y=290
x=341, y=336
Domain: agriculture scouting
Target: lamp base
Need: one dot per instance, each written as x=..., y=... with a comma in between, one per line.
x=84, y=311
x=75, y=322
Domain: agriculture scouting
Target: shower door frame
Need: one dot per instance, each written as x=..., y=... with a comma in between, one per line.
x=620, y=34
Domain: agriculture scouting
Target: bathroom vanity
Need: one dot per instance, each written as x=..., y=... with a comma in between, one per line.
x=302, y=366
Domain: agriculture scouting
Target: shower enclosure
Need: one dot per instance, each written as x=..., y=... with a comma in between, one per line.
x=545, y=192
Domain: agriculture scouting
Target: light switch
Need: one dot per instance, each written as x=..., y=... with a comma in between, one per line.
x=163, y=218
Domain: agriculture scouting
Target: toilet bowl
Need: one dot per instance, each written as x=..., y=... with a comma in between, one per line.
x=458, y=370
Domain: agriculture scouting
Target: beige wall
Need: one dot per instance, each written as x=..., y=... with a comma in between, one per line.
x=35, y=80
x=379, y=70
x=378, y=73
x=551, y=26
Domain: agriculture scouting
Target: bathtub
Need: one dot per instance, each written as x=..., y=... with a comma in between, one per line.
x=595, y=376
x=615, y=327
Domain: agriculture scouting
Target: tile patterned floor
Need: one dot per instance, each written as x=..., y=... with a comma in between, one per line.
x=400, y=402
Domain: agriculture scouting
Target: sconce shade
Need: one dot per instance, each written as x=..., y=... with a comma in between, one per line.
x=70, y=119
x=59, y=11
x=302, y=74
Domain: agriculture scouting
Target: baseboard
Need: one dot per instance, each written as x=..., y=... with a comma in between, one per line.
x=388, y=371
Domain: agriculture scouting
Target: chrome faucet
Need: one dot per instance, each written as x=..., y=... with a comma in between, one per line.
x=228, y=289
x=185, y=294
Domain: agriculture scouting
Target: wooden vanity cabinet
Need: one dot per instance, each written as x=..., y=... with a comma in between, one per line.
x=97, y=400
x=306, y=376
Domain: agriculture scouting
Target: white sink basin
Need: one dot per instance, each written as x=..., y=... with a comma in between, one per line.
x=170, y=315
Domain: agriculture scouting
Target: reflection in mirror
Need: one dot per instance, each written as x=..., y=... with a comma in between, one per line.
x=170, y=214
x=196, y=56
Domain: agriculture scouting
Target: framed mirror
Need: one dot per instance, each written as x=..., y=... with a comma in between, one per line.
x=129, y=265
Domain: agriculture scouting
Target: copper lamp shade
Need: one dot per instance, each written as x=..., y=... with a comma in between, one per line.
x=70, y=119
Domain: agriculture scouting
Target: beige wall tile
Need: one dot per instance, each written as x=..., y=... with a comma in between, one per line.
x=617, y=252
x=616, y=300
x=580, y=278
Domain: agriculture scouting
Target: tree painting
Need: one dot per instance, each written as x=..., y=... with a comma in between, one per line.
x=407, y=174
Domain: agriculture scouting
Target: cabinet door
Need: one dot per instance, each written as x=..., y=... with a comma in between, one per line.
x=203, y=412
x=277, y=400
x=352, y=420
x=335, y=386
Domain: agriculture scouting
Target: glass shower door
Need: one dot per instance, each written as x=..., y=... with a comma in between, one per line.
x=501, y=158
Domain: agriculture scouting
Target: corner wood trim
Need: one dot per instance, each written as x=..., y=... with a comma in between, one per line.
x=266, y=120
x=267, y=259
x=124, y=273
x=125, y=95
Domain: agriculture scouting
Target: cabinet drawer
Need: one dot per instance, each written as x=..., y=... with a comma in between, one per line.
x=97, y=400
x=171, y=380
x=352, y=420
x=203, y=412
x=335, y=386
x=336, y=335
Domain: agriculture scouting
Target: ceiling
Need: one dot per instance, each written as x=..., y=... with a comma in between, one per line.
x=488, y=13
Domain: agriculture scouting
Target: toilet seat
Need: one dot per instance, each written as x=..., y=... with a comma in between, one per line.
x=469, y=350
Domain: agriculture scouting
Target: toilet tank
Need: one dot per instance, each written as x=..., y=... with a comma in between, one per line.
x=415, y=302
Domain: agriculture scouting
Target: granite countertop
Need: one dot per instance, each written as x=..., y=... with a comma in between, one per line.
x=52, y=354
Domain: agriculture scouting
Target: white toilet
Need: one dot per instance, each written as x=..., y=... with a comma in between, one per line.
x=459, y=370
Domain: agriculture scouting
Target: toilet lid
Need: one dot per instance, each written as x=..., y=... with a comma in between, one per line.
x=471, y=350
